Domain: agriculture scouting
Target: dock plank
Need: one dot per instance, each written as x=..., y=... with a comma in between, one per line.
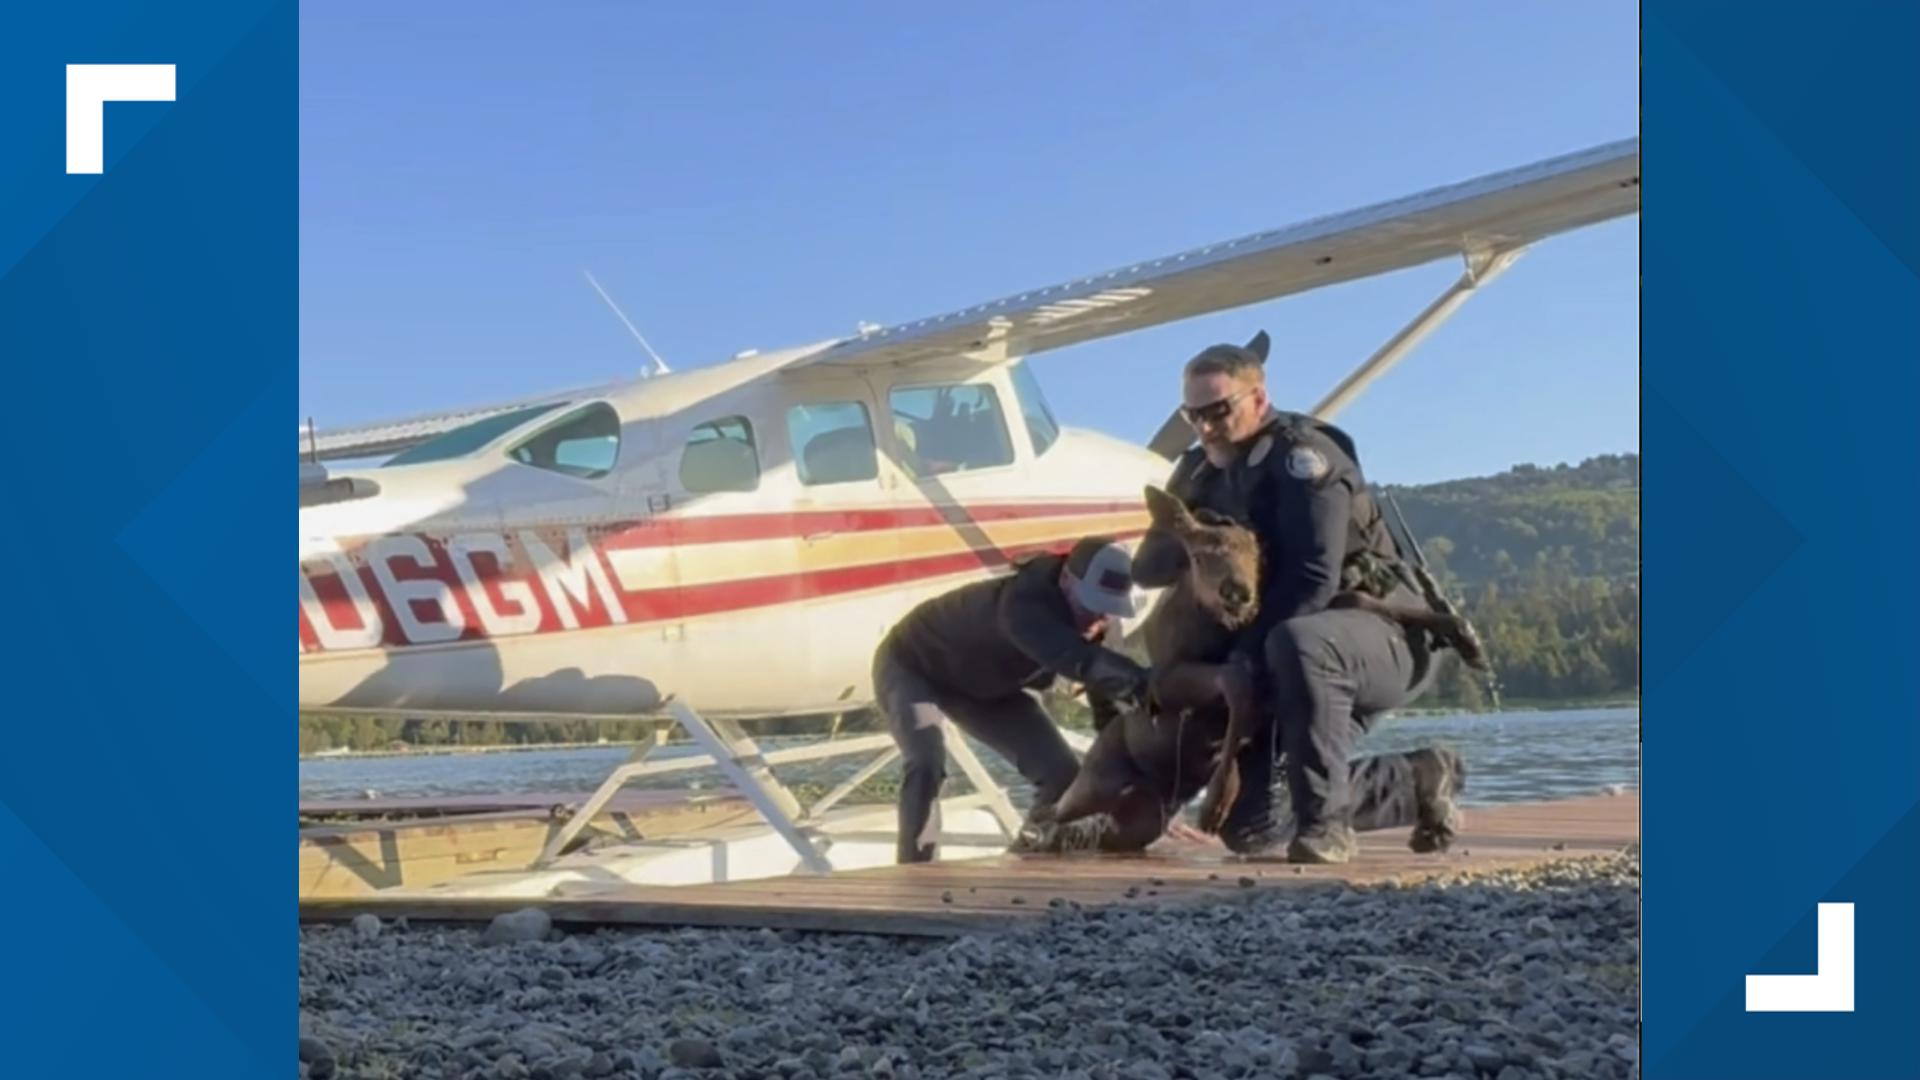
x=979, y=895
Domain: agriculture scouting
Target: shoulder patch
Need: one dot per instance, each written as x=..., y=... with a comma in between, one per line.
x=1260, y=450
x=1306, y=463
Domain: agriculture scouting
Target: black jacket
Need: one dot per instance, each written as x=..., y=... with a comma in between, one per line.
x=991, y=639
x=1297, y=484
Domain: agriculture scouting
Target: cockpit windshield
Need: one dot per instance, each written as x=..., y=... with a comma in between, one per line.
x=1041, y=427
x=470, y=437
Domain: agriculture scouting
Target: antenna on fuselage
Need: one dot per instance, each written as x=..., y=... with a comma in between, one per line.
x=659, y=365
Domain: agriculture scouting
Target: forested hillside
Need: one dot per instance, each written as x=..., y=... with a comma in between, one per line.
x=1547, y=564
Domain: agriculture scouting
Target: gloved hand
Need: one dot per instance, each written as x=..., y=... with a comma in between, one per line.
x=1117, y=678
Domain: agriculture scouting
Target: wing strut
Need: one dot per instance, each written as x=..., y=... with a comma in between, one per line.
x=1175, y=435
x=1481, y=269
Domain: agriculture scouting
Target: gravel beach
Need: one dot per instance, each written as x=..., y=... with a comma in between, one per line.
x=1503, y=974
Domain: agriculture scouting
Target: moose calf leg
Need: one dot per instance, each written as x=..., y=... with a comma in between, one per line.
x=1235, y=684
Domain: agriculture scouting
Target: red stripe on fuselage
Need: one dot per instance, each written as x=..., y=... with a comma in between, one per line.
x=675, y=602
x=730, y=528
x=744, y=594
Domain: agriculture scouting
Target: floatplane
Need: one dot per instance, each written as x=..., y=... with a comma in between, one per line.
x=713, y=545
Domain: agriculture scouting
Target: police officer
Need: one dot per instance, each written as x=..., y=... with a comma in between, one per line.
x=977, y=656
x=1296, y=482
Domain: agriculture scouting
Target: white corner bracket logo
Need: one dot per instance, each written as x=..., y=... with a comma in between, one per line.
x=89, y=88
x=1829, y=988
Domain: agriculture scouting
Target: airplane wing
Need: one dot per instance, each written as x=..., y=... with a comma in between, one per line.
x=393, y=436
x=1493, y=213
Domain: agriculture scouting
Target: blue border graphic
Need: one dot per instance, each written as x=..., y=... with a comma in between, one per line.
x=1781, y=718
x=148, y=321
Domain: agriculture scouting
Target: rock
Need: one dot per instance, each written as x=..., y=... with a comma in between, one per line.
x=527, y=924
x=1247, y=882
x=1624, y=1048
x=1208, y=1043
x=1540, y=927
x=366, y=926
x=1512, y=1072
x=1388, y=1059
x=694, y=1054
x=1483, y=1057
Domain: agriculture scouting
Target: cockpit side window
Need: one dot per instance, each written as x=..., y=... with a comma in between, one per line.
x=832, y=442
x=720, y=455
x=585, y=445
x=950, y=428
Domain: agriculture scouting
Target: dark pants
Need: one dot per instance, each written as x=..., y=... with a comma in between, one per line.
x=1015, y=727
x=1329, y=674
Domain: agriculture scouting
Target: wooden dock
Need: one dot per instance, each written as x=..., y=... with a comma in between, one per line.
x=965, y=896
x=393, y=843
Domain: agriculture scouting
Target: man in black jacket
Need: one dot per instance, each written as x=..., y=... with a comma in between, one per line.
x=1296, y=482
x=977, y=656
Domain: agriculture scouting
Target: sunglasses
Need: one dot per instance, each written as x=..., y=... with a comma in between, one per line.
x=1214, y=411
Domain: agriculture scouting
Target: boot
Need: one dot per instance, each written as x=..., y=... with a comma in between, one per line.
x=1439, y=775
x=1326, y=842
x=1040, y=834
x=1260, y=826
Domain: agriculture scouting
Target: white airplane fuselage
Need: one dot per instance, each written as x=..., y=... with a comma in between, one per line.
x=752, y=537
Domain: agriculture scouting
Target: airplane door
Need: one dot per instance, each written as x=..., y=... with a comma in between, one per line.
x=953, y=439
x=845, y=538
x=775, y=524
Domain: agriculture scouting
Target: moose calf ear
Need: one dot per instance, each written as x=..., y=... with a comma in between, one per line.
x=1259, y=345
x=1159, y=504
x=1167, y=510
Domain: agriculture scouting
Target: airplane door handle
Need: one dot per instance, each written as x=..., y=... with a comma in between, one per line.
x=815, y=536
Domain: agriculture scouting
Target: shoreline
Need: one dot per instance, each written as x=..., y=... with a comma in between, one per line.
x=1070, y=723
x=1525, y=706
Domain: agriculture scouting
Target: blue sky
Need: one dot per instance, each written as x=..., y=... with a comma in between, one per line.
x=759, y=175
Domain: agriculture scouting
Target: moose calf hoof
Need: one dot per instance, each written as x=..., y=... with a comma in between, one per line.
x=1212, y=817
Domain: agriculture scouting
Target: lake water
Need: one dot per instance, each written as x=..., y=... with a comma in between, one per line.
x=1510, y=757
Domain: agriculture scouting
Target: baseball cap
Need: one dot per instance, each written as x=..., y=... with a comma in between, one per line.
x=1103, y=577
